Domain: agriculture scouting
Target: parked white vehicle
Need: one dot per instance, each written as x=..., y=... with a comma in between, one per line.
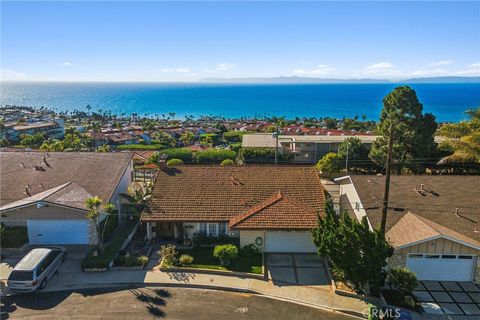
x=35, y=269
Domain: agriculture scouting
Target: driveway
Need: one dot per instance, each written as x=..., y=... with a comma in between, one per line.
x=448, y=297
x=71, y=266
x=296, y=268
x=150, y=303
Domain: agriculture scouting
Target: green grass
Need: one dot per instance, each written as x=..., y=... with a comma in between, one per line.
x=102, y=260
x=203, y=258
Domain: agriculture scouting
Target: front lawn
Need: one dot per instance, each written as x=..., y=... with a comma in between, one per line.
x=203, y=258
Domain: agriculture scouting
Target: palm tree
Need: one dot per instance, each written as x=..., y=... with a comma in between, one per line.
x=93, y=205
x=187, y=138
x=463, y=138
x=95, y=127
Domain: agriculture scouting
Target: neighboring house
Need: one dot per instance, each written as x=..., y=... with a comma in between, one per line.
x=432, y=221
x=304, y=148
x=52, y=129
x=273, y=207
x=46, y=192
x=140, y=158
x=120, y=138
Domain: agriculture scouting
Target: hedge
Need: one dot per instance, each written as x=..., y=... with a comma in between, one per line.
x=112, y=224
x=211, y=156
x=140, y=147
x=235, y=136
x=262, y=155
x=13, y=237
x=183, y=154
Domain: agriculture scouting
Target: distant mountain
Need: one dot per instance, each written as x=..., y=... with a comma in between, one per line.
x=291, y=80
x=306, y=80
x=443, y=80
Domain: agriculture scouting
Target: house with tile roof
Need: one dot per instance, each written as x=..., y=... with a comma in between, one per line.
x=46, y=192
x=272, y=207
x=432, y=221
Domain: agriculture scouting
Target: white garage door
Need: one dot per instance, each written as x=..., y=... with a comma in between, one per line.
x=442, y=267
x=282, y=241
x=58, y=231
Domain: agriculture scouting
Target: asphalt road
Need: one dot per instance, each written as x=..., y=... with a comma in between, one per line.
x=152, y=303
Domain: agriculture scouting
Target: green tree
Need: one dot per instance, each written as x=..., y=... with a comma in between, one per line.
x=164, y=139
x=463, y=138
x=329, y=164
x=31, y=141
x=413, y=132
x=187, y=138
x=356, y=149
x=357, y=253
x=103, y=148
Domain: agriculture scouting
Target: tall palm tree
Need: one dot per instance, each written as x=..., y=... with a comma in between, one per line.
x=95, y=127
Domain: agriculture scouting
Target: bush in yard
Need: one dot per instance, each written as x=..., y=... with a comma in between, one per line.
x=169, y=255
x=250, y=250
x=227, y=162
x=329, y=164
x=119, y=260
x=402, y=279
x=173, y=162
x=141, y=260
x=186, y=259
x=225, y=253
x=129, y=261
x=13, y=237
x=212, y=155
x=183, y=154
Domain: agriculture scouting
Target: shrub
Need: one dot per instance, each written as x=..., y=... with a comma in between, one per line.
x=173, y=162
x=262, y=155
x=129, y=261
x=183, y=154
x=13, y=237
x=225, y=253
x=227, y=162
x=200, y=239
x=211, y=156
x=329, y=164
x=236, y=146
x=119, y=260
x=140, y=147
x=235, y=136
x=141, y=260
x=169, y=254
x=109, y=225
x=402, y=279
x=250, y=250
x=186, y=259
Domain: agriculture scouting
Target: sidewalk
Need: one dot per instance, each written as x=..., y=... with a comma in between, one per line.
x=316, y=297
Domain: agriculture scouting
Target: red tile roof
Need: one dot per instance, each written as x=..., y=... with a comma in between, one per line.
x=276, y=212
x=220, y=194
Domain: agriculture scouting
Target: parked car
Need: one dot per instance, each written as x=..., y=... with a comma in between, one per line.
x=35, y=269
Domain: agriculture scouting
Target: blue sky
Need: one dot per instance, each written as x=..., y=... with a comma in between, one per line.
x=185, y=41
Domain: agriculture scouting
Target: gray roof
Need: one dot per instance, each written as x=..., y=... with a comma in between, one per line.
x=64, y=178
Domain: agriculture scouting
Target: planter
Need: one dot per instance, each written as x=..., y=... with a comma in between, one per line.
x=211, y=271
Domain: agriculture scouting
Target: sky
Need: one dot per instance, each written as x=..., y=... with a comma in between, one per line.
x=189, y=41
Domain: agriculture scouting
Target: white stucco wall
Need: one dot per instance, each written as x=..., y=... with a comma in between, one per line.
x=347, y=188
x=248, y=237
x=122, y=186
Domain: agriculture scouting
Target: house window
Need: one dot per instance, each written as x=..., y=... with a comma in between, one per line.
x=222, y=229
x=465, y=257
x=432, y=256
x=203, y=229
x=213, y=230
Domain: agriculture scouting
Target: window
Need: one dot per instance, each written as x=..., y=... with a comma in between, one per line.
x=449, y=256
x=357, y=206
x=222, y=229
x=213, y=229
x=203, y=229
x=415, y=256
x=432, y=256
x=465, y=257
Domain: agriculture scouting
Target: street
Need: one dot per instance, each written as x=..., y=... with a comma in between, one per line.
x=150, y=303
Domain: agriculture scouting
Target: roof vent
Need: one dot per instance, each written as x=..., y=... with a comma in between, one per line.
x=39, y=168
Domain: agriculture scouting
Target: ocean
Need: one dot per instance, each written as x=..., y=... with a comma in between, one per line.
x=446, y=101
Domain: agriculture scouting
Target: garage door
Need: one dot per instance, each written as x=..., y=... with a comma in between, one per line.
x=58, y=231
x=283, y=241
x=442, y=267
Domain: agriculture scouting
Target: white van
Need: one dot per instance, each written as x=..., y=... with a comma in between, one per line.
x=35, y=269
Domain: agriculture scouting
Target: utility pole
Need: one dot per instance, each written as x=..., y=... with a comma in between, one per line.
x=387, y=180
x=276, y=144
x=346, y=161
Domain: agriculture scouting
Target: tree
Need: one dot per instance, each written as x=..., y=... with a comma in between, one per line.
x=103, y=148
x=413, y=131
x=329, y=164
x=139, y=192
x=357, y=253
x=356, y=149
x=93, y=205
x=463, y=138
x=187, y=138
x=35, y=140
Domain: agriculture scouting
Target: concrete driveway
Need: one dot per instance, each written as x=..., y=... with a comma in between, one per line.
x=296, y=268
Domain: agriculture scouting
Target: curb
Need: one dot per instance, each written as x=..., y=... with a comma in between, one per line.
x=350, y=313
